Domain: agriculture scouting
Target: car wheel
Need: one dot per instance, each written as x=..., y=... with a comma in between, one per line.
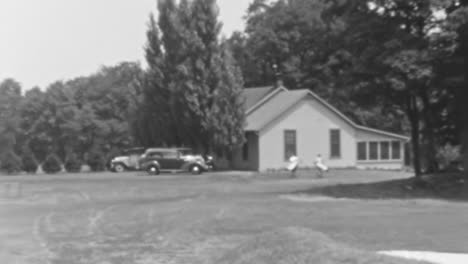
x=195, y=169
x=153, y=170
x=119, y=168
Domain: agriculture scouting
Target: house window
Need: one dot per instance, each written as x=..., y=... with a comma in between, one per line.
x=245, y=150
x=396, y=150
x=362, y=150
x=384, y=150
x=373, y=150
x=289, y=144
x=335, y=148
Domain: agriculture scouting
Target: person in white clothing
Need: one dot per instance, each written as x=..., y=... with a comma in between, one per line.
x=320, y=166
x=293, y=164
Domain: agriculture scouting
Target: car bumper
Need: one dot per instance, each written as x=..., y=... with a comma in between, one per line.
x=112, y=166
x=209, y=167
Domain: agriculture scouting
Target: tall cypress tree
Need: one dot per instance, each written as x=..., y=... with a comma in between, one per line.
x=213, y=84
x=173, y=46
x=201, y=81
x=155, y=112
x=192, y=78
x=230, y=119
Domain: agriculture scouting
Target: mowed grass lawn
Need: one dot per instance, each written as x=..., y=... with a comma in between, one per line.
x=212, y=218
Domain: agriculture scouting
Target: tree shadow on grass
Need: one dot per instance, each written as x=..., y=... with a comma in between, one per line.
x=440, y=186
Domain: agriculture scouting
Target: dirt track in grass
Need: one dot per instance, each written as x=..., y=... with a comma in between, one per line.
x=131, y=218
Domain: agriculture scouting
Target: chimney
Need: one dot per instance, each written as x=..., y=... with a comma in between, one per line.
x=279, y=82
x=278, y=77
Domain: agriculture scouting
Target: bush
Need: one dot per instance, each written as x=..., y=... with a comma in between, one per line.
x=10, y=162
x=449, y=157
x=96, y=161
x=52, y=164
x=73, y=163
x=30, y=163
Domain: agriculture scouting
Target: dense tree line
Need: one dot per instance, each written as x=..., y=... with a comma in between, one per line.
x=81, y=121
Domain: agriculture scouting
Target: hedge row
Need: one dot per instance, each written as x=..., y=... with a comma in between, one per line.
x=11, y=163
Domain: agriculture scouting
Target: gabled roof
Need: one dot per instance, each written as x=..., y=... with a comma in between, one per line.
x=274, y=107
x=279, y=101
x=254, y=96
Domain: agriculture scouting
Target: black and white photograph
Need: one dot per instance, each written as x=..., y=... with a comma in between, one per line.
x=234, y=132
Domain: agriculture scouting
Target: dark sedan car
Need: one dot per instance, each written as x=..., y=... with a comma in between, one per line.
x=156, y=160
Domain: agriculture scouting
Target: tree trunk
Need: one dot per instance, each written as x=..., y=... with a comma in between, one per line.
x=464, y=135
x=465, y=151
x=431, y=148
x=463, y=95
x=413, y=116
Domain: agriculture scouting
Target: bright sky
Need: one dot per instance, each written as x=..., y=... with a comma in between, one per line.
x=48, y=40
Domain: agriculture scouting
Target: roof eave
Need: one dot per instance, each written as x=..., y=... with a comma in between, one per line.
x=353, y=124
x=385, y=133
x=266, y=98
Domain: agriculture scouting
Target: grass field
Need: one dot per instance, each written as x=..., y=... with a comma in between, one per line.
x=134, y=218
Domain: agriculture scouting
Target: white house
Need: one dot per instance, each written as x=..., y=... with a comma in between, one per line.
x=281, y=123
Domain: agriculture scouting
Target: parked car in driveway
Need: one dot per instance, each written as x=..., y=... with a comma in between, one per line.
x=156, y=160
x=129, y=160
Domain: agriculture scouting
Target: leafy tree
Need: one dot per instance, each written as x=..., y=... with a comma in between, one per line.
x=396, y=46
x=59, y=110
x=10, y=162
x=252, y=71
x=208, y=84
x=73, y=163
x=33, y=123
x=108, y=99
x=52, y=164
x=457, y=71
x=10, y=103
x=81, y=114
x=96, y=160
x=29, y=162
x=294, y=37
x=229, y=132
x=158, y=122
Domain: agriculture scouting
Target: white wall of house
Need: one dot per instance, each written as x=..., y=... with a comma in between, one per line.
x=312, y=122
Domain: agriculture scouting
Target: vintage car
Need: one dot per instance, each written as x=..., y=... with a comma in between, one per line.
x=129, y=160
x=156, y=160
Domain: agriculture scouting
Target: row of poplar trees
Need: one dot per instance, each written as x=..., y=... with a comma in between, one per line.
x=192, y=89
